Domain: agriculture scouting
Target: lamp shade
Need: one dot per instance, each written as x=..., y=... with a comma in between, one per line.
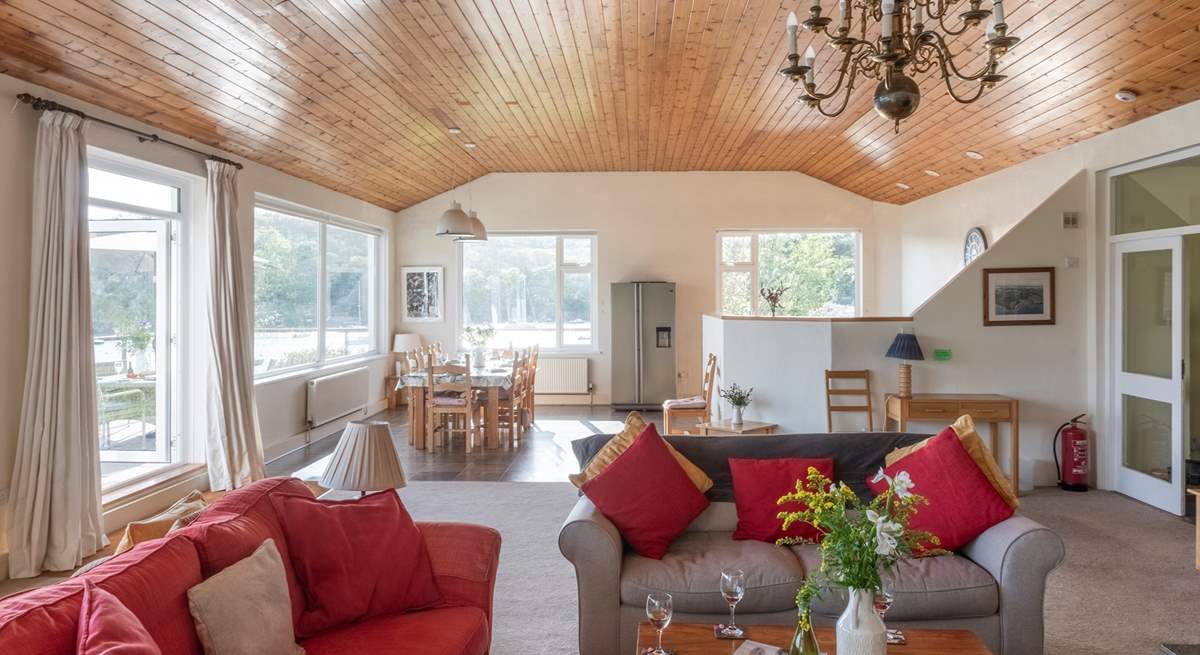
x=906, y=347
x=364, y=460
x=479, y=231
x=454, y=223
x=405, y=342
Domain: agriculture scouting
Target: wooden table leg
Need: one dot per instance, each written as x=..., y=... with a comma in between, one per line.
x=491, y=436
x=995, y=438
x=1015, y=430
x=416, y=407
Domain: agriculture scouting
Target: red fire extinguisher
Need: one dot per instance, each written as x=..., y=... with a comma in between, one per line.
x=1073, y=471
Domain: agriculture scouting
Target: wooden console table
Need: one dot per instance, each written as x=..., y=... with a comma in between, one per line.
x=947, y=407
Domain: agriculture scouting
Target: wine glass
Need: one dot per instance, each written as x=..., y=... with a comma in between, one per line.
x=658, y=611
x=733, y=587
x=884, y=597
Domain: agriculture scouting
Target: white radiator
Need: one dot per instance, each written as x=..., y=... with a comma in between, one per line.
x=562, y=375
x=331, y=397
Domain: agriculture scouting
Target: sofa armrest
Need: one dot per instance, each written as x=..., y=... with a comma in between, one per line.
x=1019, y=553
x=593, y=546
x=464, y=558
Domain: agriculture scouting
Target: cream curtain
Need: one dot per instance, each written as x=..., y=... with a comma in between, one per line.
x=235, y=456
x=54, y=520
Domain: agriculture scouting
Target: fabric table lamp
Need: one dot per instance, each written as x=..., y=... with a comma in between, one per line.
x=402, y=343
x=906, y=347
x=364, y=460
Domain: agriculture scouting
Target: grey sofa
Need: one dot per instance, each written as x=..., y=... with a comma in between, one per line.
x=994, y=587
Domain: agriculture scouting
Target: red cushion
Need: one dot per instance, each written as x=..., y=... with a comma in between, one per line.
x=443, y=631
x=758, y=483
x=106, y=627
x=962, y=503
x=647, y=495
x=354, y=559
x=151, y=581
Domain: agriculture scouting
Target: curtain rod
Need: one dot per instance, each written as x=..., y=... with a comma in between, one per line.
x=41, y=104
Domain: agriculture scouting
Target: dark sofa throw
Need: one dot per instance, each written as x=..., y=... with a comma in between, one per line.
x=856, y=455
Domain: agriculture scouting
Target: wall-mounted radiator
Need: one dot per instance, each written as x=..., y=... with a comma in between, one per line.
x=562, y=375
x=331, y=397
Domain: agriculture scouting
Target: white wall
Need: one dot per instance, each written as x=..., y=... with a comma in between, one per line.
x=281, y=402
x=650, y=226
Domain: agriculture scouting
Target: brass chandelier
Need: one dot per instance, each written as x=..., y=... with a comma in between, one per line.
x=910, y=39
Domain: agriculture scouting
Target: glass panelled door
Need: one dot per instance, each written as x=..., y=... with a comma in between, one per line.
x=1149, y=332
x=130, y=319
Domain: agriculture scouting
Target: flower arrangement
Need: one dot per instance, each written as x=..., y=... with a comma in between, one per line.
x=859, y=540
x=736, y=395
x=774, y=297
x=477, y=336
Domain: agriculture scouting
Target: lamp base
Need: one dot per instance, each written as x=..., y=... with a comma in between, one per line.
x=905, y=381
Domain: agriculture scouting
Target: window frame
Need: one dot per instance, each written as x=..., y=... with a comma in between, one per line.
x=561, y=269
x=176, y=334
x=751, y=266
x=377, y=284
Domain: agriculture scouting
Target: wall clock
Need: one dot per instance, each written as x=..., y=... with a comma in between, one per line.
x=973, y=245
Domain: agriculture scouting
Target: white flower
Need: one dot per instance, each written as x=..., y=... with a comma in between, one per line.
x=880, y=476
x=902, y=484
x=886, y=532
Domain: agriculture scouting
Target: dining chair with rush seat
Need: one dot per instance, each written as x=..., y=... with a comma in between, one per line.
x=450, y=403
x=698, y=407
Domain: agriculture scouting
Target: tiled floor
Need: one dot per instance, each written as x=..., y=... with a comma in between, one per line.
x=544, y=455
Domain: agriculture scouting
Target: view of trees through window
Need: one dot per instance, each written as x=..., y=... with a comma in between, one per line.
x=818, y=271
x=512, y=283
x=288, y=313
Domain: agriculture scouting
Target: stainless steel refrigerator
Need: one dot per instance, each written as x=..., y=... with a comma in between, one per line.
x=643, y=344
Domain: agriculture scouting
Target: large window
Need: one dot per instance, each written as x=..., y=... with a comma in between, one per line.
x=533, y=289
x=316, y=293
x=818, y=269
x=135, y=215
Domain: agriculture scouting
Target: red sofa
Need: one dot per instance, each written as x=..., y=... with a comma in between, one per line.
x=152, y=581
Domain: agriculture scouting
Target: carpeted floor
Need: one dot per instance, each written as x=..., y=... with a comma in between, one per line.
x=1127, y=585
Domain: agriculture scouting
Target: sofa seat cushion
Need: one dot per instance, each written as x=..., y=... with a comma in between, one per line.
x=445, y=631
x=691, y=572
x=925, y=588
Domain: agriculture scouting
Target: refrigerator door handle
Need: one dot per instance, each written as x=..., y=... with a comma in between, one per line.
x=637, y=342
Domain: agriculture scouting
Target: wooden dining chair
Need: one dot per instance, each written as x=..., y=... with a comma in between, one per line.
x=864, y=391
x=696, y=407
x=512, y=417
x=413, y=363
x=531, y=367
x=450, y=403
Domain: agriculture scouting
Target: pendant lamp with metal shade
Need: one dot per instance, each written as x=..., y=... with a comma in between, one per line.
x=479, y=231
x=454, y=223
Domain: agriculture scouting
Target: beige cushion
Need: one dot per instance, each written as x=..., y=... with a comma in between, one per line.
x=245, y=609
x=634, y=424
x=695, y=402
x=924, y=588
x=691, y=573
x=160, y=524
x=964, y=427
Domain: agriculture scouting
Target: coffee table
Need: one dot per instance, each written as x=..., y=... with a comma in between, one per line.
x=697, y=639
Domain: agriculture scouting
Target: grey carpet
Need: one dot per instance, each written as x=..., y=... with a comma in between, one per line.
x=535, y=605
x=1127, y=584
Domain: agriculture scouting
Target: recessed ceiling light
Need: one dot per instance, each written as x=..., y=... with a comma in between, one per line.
x=469, y=145
x=932, y=173
x=454, y=130
x=971, y=154
x=903, y=186
x=1126, y=95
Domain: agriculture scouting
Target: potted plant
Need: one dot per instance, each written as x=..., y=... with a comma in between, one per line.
x=774, y=297
x=738, y=398
x=477, y=337
x=859, y=542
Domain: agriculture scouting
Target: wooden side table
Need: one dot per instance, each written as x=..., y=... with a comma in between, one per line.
x=726, y=428
x=946, y=407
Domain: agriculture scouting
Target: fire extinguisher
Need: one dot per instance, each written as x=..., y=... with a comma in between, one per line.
x=1073, y=471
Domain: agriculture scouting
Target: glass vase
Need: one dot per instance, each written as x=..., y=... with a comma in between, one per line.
x=804, y=642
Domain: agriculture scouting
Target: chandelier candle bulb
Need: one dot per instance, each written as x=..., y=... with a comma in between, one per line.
x=998, y=11
x=816, y=6
x=793, y=25
x=918, y=17
x=889, y=7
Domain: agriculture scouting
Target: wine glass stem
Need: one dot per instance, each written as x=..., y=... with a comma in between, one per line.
x=731, y=622
x=659, y=649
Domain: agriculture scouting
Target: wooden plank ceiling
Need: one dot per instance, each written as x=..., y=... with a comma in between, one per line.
x=358, y=95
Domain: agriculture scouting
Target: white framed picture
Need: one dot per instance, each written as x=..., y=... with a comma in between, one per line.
x=424, y=290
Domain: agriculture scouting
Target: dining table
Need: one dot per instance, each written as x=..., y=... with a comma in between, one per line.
x=492, y=378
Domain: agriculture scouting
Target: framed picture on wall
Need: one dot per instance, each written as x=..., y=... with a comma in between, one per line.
x=1018, y=296
x=424, y=293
